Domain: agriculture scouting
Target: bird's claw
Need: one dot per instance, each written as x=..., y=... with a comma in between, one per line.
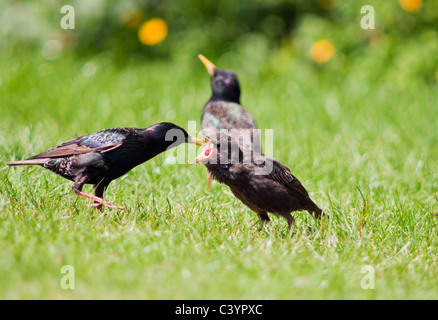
x=98, y=204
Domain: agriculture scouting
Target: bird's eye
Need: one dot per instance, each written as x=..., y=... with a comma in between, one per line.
x=207, y=152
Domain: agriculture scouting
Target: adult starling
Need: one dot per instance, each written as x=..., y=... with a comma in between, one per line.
x=262, y=183
x=101, y=157
x=224, y=112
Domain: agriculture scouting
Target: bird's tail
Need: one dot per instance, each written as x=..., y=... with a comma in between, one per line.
x=28, y=162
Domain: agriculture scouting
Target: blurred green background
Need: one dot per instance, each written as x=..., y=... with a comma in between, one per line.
x=272, y=34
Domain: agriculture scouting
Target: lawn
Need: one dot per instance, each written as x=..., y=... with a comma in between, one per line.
x=363, y=145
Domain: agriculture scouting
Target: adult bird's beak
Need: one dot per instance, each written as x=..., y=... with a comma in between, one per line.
x=210, y=66
x=205, y=137
x=194, y=140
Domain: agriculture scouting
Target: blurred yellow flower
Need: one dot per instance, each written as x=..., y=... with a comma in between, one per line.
x=152, y=31
x=322, y=51
x=411, y=5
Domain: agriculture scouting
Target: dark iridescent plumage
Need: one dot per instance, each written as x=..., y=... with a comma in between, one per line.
x=262, y=183
x=223, y=110
x=100, y=157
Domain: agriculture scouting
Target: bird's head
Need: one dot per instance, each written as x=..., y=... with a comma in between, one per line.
x=220, y=148
x=224, y=83
x=169, y=135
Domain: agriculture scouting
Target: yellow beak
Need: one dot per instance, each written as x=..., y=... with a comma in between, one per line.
x=207, y=63
x=194, y=140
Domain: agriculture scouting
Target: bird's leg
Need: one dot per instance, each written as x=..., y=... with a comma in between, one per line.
x=209, y=178
x=77, y=187
x=98, y=202
x=99, y=189
x=264, y=218
x=290, y=220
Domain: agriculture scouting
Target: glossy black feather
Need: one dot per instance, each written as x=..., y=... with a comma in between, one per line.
x=100, y=157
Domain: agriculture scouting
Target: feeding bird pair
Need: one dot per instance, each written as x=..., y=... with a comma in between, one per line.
x=104, y=156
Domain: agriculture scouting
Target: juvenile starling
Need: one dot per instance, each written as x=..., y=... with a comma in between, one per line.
x=262, y=183
x=223, y=110
x=101, y=157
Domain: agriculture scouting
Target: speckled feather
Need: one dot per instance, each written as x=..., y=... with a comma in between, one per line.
x=98, y=152
x=223, y=110
x=101, y=141
x=226, y=115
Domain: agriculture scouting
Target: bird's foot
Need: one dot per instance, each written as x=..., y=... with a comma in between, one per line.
x=99, y=202
x=99, y=205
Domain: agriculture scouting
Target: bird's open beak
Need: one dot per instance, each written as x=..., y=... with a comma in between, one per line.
x=194, y=140
x=210, y=66
x=205, y=154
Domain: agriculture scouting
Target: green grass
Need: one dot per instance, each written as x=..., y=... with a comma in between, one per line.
x=366, y=150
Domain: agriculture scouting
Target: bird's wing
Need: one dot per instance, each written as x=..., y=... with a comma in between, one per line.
x=283, y=175
x=101, y=141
